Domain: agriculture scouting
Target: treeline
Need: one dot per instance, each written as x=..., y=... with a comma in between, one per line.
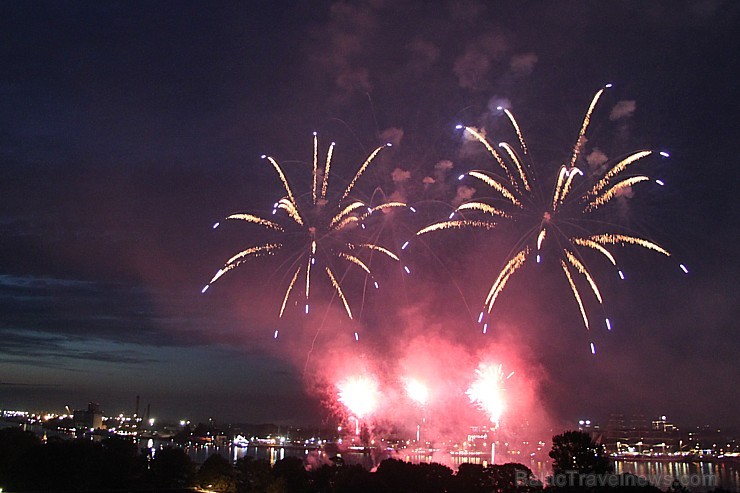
x=115, y=463
x=28, y=464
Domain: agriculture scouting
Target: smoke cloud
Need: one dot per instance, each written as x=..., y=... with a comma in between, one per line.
x=426, y=354
x=623, y=109
x=596, y=160
x=464, y=193
x=522, y=65
x=473, y=66
x=393, y=135
x=399, y=175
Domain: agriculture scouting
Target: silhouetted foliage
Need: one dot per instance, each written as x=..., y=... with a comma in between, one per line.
x=581, y=465
x=677, y=487
x=354, y=479
x=436, y=477
x=320, y=479
x=506, y=478
x=632, y=484
x=576, y=451
x=122, y=463
x=27, y=464
x=183, y=435
x=14, y=445
x=203, y=430
x=292, y=471
x=469, y=478
x=172, y=468
x=216, y=474
x=394, y=475
x=399, y=476
x=510, y=478
x=76, y=465
x=252, y=475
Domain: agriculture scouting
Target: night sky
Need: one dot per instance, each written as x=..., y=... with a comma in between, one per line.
x=128, y=128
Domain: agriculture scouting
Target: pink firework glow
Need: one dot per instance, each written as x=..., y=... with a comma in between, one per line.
x=360, y=395
x=417, y=391
x=487, y=391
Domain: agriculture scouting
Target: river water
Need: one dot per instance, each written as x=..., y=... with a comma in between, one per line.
x=698, y=477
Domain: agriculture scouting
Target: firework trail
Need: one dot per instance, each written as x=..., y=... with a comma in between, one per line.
x=559, y=223
x=316, y=228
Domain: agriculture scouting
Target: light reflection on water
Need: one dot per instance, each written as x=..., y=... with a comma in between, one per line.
x=199, y=453
x=698, y=477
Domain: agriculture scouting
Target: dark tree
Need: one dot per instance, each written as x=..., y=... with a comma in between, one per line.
x=435, y=477
x=172, y=468
x=121, y=463
x=677, y=487
x=396, y=476
x=203, y=430
x=62, y=465
x=399, y=476
x=14, y=444
x=511, y=477
x=321, y=479
x=470, y=478
x=293, y=473
x=252, y=475
x=216, y=474
x=355, y=479
x=77, y=465
x=576, y=451
x=183, y=435
x=41, y=467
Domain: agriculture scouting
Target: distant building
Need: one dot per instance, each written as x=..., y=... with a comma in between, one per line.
x=637, y=434
x=90, y=419
x=592, y=428
x=708, y=439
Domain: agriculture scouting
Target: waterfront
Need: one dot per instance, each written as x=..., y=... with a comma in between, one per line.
x=698, y=477
x=701, y=471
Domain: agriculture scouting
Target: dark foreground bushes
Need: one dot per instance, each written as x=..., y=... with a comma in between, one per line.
x=116, y=464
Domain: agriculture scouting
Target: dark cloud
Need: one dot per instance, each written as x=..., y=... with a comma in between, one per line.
x=39, y=348
x=15, y=385
x=36, y=283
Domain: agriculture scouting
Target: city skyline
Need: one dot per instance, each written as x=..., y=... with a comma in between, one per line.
x=128, y=131
x=96, y=414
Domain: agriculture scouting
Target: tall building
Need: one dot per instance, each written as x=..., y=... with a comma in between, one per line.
x=90, y=419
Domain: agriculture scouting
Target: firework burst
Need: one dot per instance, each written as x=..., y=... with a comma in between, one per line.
x=359, y=394
x=417, y=391
x=319, y=232
x=487, y=390
x=561, y=220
